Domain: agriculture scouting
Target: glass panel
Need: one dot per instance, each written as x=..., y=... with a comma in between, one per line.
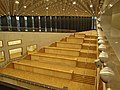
x=14, y=53
x=2, y=58
x=22, y=23
x=36, y=23
x=32, y=48
x=25, y=18
x=9, y=23
x=0, y=23
x=1, y=44
x=14, y=42
x=18, y=23
x=33, y=27
x=39, y=24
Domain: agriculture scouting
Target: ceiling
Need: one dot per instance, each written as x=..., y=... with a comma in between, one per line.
x=50, y=7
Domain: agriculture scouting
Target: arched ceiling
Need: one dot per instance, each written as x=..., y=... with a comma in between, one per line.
x=50, y=7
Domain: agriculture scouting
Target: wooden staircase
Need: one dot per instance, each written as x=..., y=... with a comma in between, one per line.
x=69, y=63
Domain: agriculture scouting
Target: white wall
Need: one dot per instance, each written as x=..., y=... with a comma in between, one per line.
x=41, y=39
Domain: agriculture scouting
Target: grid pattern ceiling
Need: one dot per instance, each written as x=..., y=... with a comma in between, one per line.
x=49, y=7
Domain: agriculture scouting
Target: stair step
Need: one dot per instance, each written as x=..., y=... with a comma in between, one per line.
x=68, y=45
x=42, y=79
x=84, y=79
x=89, y=46
x=36, y=66
x=44, y=68
x=90, y=41
x=86, y=65
x=62, y=51
x=88, y=54
x=91, y=36
x=75, y=40
x=54, y=59
x=79, y=35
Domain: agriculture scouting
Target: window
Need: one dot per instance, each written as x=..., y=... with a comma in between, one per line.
x=33, y=27
x=31, y=48
x=1, y=44
x=14, y=42
x=0, y=24
x=14, y=53
x=18, y=23
x=25, y=18
x=2, y=58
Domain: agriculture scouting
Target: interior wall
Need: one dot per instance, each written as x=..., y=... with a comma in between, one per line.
x=29, y=38
x=110, y=23
x=116, y=16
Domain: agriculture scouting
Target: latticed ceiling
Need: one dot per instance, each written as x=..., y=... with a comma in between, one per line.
x=50, y=7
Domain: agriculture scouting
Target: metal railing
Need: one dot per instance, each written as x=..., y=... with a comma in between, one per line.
x=32, y=83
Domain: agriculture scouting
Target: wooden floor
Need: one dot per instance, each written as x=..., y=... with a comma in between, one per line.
x=66, y=63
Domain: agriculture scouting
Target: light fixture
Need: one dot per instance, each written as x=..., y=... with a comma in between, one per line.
x=46, y=7
x=101, y=41
x=32, y=11
x=109, y=89
x=91, y=5
x=63, y=9
x=103, y=56
x=25, y=6
x=75, y=10
x=106, y=74
x=116, y=42
x=17, y=2
x=74, y=2
x=110, y=5
x=102, y=47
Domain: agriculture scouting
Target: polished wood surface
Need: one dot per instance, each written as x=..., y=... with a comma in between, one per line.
x=69, y=62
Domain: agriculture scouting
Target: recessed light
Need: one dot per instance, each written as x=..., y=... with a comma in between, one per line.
x=74, y=2
x=25, y=6
x=17, y=2
x=91, y=5
x=110, y=5
x=32, y=11
x=116, y=42
x=75, y=10
x=46, y=7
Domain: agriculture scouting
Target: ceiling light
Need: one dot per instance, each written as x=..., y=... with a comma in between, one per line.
x=63, y=9
x=75, y=10
x=17, y=2
x=116, y=42
x=46, y=7
x=91, y=5
x=110, y=5
x=32, y=11
x=25, y=6
x=74, y=2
